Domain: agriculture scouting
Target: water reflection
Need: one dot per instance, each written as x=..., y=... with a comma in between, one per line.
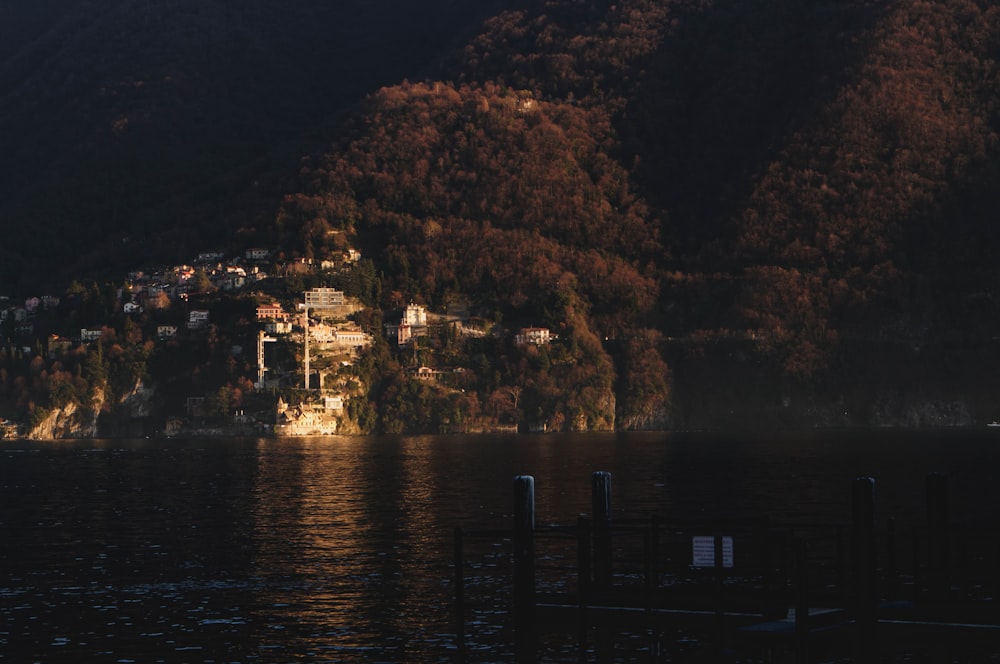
x=351, y=547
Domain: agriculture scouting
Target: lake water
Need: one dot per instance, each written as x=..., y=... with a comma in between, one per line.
x=340, y=549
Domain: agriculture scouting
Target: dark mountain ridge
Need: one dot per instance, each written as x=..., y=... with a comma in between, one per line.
x=125, y=118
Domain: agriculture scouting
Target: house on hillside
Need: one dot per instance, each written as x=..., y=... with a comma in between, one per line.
x=415, y=315
x=535, y=336
x=412, y=324
x=209, y=257
x=401, y=333
x=296, y=266
x=234, y=278
x=350, y=337
x=58, y=345
x=324, y=298
x=154, y=290
x=89, y=334
x=272, y=311
x=197, y=319
x=184, y=273
x=278, y=326
x=166, y=331
x=306, y=419
x=425, y=373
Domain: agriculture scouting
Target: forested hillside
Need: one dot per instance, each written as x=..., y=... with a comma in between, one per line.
x=787, y=190
x=779, y=213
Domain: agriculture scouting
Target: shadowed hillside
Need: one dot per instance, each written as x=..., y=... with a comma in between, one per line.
x=130, y=117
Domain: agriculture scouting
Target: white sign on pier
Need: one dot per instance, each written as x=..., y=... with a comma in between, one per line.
x=703, y=551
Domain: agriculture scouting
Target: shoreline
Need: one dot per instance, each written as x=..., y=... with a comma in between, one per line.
x=268, y=433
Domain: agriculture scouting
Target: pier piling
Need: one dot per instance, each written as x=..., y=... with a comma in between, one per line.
x=601, y=516
x=524, y=569
x=864, y=567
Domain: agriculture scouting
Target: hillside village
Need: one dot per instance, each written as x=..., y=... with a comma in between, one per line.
x=272, y=347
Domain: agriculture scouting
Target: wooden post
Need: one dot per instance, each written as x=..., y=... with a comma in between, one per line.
x=891, y=570
x=801, y=602
x=524, y=568
x=938, y=536
x=864, y=562
x=583, y=544
x=459, y=594
x=768, y=545
x=601, y=515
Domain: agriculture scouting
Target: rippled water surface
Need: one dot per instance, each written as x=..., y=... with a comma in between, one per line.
x=340, y=549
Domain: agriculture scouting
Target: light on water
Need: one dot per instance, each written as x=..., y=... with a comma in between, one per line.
x=340, y=549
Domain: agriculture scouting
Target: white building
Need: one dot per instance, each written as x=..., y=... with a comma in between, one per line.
x=278, y=327
x=197, y=319
x=415, y=315
x=209, y=256
x=537, y=336
x=352, y=338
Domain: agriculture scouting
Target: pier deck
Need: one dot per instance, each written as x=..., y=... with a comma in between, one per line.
x=741, y=590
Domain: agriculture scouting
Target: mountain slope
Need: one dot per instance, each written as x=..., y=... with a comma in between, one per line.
x=775, y=213
x=787, y=174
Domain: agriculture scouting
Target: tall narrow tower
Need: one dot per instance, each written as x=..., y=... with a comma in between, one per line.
x=305, y=335
x=261, y=338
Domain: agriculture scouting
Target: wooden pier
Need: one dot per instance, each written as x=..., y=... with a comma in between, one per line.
x=739, y=590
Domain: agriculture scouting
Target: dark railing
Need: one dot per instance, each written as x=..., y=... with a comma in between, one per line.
x=751, y=584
